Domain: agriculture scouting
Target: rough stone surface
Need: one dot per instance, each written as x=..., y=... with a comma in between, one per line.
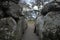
x=14, y=10
x=48, y=27
x=12, y=23
x=52, y=25
x=52, y=20
x=7, y=28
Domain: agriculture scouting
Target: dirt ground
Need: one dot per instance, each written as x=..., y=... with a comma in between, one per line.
x=29, y=34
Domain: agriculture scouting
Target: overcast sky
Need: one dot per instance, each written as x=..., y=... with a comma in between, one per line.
x=27, y=1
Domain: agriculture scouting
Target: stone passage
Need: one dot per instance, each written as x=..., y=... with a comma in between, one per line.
x=29, y=34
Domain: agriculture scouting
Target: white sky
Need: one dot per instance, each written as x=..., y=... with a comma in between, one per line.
x=28, y=1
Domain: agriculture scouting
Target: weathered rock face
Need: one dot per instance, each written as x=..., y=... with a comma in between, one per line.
x=10, y=9
x=14, y=10
x=51, y=6
x=49, y=26
x=12, y=30
x=52, y=19
x=7, y=28
x=23, y=24
x=11, y=21
x=19, y=29
x=39, y=28
x=52, y=24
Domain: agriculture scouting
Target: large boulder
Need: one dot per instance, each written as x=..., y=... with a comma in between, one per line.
x=19, y=29
x=51, y=6
x=12, y=21
x=14, y=10
x=10, y=9
x=52, y=24
x=49, y=26
x=39, y=28
x=24, y=24
x=7, y=28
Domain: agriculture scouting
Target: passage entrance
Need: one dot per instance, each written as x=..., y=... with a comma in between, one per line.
x=29, y=34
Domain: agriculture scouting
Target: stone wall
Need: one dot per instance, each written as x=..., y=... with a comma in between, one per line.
x=11, y=19
x=49, y=26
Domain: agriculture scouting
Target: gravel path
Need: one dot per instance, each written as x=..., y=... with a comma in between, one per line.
x=29, y=34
